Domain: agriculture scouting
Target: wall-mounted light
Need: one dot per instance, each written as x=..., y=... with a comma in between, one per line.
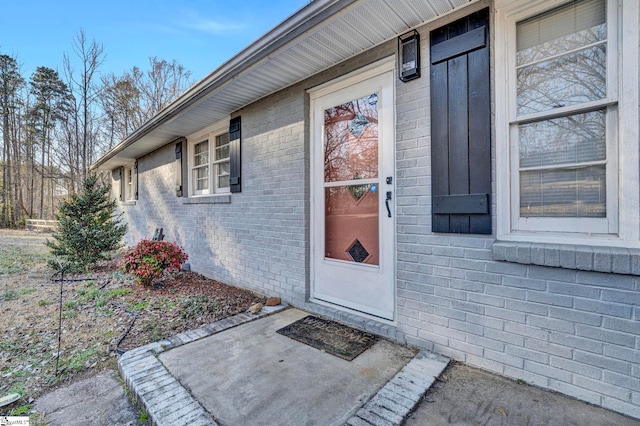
x=409, y=56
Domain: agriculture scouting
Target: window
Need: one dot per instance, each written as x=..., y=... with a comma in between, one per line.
x=561, y=166
x=210, y=165
x=221, y=162
x=130, y=183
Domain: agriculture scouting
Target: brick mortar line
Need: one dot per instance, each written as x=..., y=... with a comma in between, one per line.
x=136, y=380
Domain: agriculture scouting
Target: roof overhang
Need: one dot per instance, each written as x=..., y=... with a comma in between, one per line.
x=318, y=36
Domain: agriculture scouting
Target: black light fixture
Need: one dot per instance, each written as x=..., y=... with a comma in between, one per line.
x=409, y=56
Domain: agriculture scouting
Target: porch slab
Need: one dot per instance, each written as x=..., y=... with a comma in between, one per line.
x=249, y=374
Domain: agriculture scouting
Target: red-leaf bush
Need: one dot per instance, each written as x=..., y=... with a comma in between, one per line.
x=149, y=259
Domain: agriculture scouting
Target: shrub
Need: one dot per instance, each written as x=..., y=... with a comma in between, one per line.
x=149, y=259
x=88, y=228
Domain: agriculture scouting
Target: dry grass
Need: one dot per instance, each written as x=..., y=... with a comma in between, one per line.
x=96, y=313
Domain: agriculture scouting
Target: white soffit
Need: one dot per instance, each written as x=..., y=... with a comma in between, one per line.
x=351, y=28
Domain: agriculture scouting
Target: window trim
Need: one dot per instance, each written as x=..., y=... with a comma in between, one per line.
x=215, y=163
x=193, y=168
x=207, y=135
x=130, y=182
x=622, y=229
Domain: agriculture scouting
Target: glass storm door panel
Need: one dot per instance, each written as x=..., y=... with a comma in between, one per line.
x=351, y=157
x=353, y=165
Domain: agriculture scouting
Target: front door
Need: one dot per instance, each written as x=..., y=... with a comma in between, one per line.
x=352, y=193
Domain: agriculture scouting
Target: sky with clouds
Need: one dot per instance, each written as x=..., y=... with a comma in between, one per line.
x=199, y=34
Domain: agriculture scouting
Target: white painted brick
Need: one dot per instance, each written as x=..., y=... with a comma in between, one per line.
x=503, y=336
x=624, y=407
x=576, y=316
x=506, y=359
x=604, y=362
x=622, y=380
x=550, y=299
x=546, y=323
x=589, y=395
x=526, y=376
x=526, y=330
x=548, y=348
x=528, y=307
x=452, y=295
x=594, y=333
x=603, y=388
x=547, y=371
x=525, y=283
x=528, y=354
x=505, y=314
x=623, y=354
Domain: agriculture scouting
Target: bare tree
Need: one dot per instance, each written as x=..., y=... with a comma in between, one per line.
x=52, y=99
x=52, y=130
x=10, y=83
x=130, y=100
x=86, y=91
x=121, y=105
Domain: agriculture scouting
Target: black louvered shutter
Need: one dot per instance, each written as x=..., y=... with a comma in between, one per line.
x=135, y=171
x=121, y=173
x=461, y=126
x=235, y=163
x=178, y=171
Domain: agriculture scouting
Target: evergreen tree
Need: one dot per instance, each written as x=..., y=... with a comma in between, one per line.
x=87, y=228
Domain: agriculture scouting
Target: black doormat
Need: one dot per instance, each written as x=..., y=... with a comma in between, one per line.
x=329, y=336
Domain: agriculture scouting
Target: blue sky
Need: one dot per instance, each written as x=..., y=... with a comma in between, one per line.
x=199, y=34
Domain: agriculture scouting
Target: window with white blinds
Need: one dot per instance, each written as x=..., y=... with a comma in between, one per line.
x=563, y=125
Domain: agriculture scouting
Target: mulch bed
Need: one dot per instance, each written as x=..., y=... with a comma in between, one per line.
x=198, y=301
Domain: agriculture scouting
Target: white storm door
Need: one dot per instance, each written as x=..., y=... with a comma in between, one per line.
x=353, y=215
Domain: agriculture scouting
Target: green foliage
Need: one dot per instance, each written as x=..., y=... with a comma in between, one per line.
x=117, y=292
x=71, y=304
x=198, y=305
x=143, y=304
x=143, y=417
x=21, y=410
x=153, y=330
x=87, y=228
x=149, y=259
x=15, y=259
x=80, y=361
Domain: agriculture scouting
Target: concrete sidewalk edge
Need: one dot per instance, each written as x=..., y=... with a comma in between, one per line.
x=401, y=395
x=167, y=402
x=164, y=399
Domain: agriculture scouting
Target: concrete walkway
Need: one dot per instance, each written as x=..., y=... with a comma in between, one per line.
x=96, y=401
x=237, y=371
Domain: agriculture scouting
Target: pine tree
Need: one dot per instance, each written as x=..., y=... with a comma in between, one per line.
x=88, y=230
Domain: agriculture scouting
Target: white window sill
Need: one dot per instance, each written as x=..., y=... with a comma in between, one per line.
x=128, y=203
x=584, y=258
x=208, y=199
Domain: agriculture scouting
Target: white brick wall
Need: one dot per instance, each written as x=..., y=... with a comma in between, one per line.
x=576, y=332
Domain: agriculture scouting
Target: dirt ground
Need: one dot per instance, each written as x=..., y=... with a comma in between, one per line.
x=101, y=314
x=468, y=396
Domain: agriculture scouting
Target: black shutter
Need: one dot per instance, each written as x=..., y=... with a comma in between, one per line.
x=461, y=126
x=122, y=179
x=235, y=155
x=178, y=170
x=135, y=172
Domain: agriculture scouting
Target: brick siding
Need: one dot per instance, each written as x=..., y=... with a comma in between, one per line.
x=573, y=331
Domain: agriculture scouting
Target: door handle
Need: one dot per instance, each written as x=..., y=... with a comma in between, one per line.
x=386, y=202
